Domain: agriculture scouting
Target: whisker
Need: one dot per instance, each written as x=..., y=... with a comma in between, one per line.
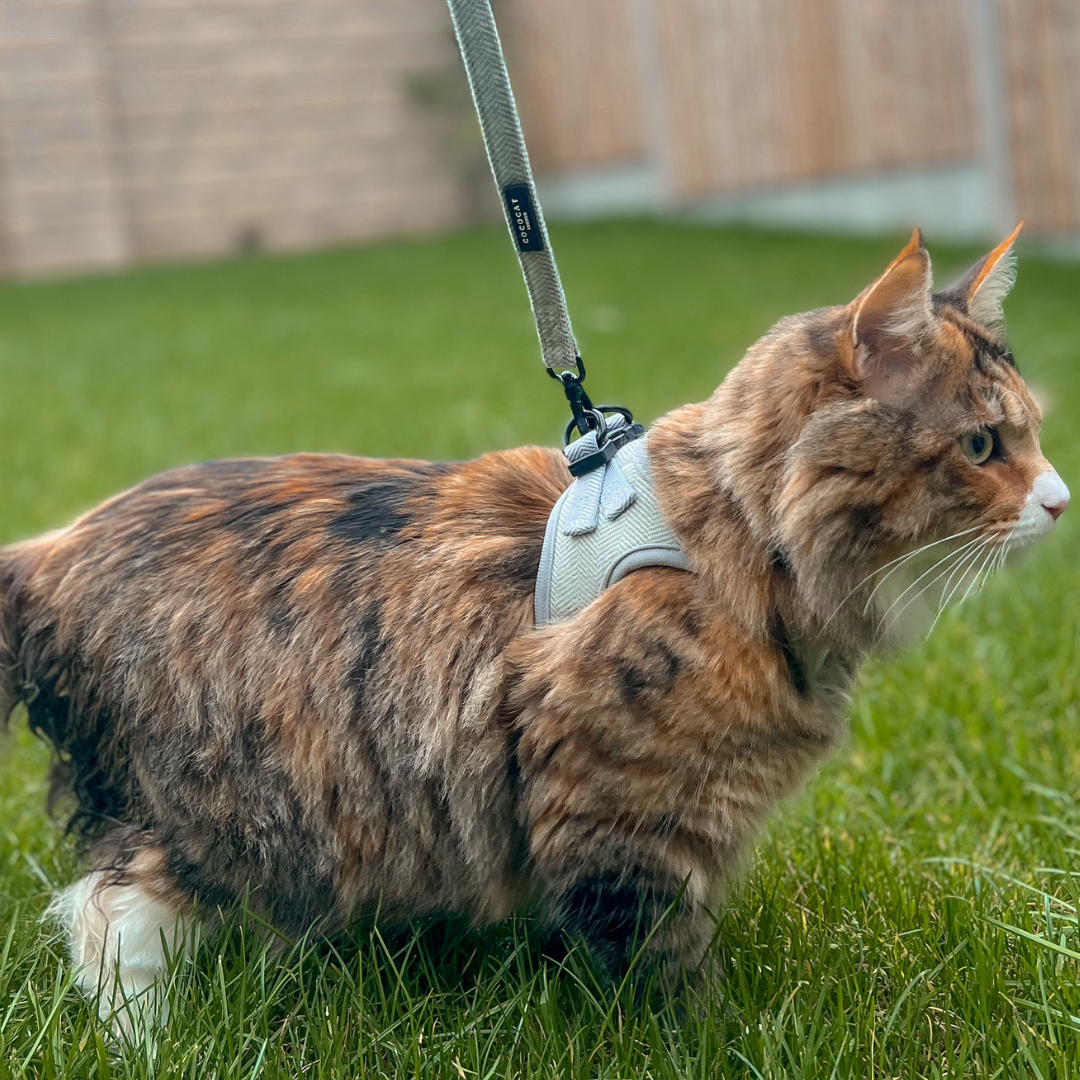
x=897, y=563
x=925, y=547
x=949, y=589
x=981, y=577
x=946, y=599
x=964, y=549
x=988, y=573
x=1004, y=553
x=952, y=586
x=974, y=585
x=968, y=556
x=939, y=569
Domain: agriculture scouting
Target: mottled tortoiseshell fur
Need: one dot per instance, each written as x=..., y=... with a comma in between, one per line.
x=315, y=681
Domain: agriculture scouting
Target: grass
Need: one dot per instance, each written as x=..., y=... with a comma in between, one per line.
x=913, y=914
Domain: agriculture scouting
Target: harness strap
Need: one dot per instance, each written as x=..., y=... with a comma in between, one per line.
x=478, y=40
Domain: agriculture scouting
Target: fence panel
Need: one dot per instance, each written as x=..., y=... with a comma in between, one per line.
x=1041, y=42
x=577, y=80
x=752, y=91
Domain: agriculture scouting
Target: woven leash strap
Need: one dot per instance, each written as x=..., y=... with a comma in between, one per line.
x=478, y=40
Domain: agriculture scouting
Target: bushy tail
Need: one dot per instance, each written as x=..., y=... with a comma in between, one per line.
x=9, y=681
x=82, y=785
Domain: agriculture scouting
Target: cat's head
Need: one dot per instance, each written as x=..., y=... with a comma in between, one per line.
x=897, y=421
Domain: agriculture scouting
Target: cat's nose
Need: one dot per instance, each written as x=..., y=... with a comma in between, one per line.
x=1052, y=493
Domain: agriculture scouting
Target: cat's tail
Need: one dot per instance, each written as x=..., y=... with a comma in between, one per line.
x=85, y=784
x=9, y=638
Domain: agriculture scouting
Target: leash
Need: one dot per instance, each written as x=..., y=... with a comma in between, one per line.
x=478, y=39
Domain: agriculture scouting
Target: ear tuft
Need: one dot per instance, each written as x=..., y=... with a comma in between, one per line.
x=892, y=318
x=989, y=282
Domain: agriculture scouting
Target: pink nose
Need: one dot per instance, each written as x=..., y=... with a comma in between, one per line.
x=1056, y=509
x=1049, y=492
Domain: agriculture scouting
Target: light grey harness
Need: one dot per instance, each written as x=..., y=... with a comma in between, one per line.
x=608, y=522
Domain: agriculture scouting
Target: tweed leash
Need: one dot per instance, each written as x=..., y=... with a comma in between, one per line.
x=478, y=39
x=482, y=52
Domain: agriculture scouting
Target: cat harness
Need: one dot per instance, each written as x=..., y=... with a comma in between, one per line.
x=606, y=524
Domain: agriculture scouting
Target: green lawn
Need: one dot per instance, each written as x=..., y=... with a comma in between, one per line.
x=912, y=914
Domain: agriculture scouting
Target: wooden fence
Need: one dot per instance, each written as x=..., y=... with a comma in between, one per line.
x=727, y=96
x=140, y=130
x=1041, y=46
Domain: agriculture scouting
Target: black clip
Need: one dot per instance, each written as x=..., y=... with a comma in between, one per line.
x=606, y=448
x=580, y=405
x=589, y=417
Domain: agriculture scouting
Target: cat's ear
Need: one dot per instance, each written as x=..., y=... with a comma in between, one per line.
x=983, y=288
x=892, y=319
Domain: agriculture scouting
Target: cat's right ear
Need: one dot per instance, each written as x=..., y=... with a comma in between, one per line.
x=892, y=319
x=982, y=291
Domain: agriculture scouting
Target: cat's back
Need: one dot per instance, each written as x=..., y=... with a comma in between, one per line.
x=254, y=528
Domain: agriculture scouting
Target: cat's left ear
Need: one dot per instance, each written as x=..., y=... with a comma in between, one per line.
x=983, y=289
x=893, y=317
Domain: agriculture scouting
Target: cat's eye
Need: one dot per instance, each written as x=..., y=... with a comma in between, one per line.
x=978, y=445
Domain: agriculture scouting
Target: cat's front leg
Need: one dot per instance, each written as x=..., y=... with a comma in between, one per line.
x=619, y=776
x=634, y=919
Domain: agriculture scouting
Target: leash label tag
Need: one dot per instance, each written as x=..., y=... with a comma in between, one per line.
x=522, y=216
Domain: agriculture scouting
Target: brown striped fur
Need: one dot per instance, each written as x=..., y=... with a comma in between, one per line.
x=314, y=680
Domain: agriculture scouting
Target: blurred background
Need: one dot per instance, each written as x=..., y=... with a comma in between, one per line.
x=139, y=131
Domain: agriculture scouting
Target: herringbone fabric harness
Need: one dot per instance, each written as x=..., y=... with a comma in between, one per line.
x=595, y=538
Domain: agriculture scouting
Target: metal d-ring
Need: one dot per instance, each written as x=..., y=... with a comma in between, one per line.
x=625, y=413
x=595, y=421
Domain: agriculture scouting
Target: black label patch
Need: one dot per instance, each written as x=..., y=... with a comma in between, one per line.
x=523, y=222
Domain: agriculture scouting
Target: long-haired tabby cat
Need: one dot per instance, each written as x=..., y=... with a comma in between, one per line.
x=315, y=682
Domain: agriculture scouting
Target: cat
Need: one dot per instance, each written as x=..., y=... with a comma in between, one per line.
x=314, y=682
